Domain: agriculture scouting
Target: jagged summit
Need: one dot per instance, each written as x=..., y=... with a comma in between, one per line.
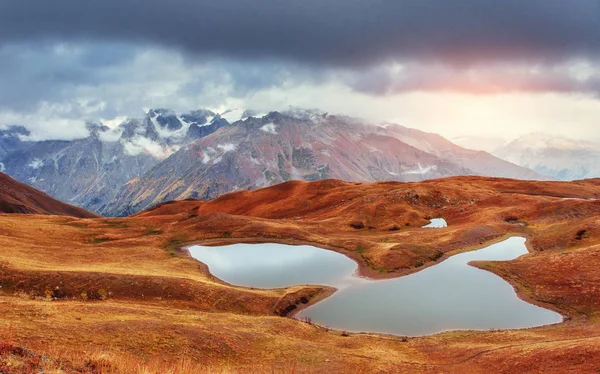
x=11, y=139
x=90, y=172
x=303, y=145
x=202, y=154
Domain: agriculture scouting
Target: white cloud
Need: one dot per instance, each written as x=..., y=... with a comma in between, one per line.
x=114, y=122
x=155, y=77
x=133, y=149
x=36, y=163
x=420, y=171
x=165, y=133
x=2, y=168
x=140, y=145
x=583, y=71
x=228, y=147
x=232, y=115
x=45, y=123
x=111, y=135
x=269, y=128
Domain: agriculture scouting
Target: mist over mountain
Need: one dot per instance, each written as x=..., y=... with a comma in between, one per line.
x=11, y=140
x=480, y=143
x=89, y=172
x=554, y=156
x=202, y=154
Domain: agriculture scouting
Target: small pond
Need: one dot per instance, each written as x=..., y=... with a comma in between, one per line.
x=450, y=295
x=436, y=223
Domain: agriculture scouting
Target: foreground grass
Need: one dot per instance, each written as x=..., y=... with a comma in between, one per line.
x=20, y=360
x=120, y=296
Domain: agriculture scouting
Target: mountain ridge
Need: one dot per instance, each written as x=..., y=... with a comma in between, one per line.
x=258, y=152
x=555, y=156
x=16, y=197
x=166, y=155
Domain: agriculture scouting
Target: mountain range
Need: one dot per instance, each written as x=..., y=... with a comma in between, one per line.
x=89, y=172
x=557, y=157
x=202, y=154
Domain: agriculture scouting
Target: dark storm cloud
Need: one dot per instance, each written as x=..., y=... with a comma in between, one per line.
x=338, y=32
x=491, y=78
x=66, y=61
x=33, y=72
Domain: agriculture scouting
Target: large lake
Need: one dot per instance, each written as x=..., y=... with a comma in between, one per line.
x=450, y=295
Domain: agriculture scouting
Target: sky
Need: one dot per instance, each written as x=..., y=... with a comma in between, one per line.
x=475, y=68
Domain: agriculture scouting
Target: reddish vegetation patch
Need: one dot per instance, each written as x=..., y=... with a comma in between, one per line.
x=94, y=286
x=18, y=360
x=379, y=224
x=136, y=279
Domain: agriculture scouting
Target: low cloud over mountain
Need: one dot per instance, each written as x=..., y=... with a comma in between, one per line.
x=67, y=62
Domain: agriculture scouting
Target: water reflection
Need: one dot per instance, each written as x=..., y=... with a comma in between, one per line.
x=275, y=265
x=436, y=223
x=448, y=296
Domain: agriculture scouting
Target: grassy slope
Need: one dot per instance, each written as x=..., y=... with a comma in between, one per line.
x=16, y=197
x=121, y=288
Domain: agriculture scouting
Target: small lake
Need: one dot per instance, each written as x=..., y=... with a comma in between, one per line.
x=436, y=223
x=450, y=295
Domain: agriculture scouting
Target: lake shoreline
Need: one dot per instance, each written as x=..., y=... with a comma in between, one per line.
x=366, y=271
x=527, y=320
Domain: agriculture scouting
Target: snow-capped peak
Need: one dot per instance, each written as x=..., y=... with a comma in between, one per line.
x=540, y=141
x=234, y=115
x=420, y=170
x=312, y=115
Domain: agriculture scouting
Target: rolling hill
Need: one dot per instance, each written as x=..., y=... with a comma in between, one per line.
x=123, y=294
x=16, y=197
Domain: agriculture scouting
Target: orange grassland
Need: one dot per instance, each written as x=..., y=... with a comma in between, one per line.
x=122, y=295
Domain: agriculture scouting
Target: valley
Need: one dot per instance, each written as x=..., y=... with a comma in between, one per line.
x=299, y=187
x=124, y=295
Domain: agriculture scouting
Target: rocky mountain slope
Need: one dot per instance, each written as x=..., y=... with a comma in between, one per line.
x=301, y=145
x=89, y=172
x=16, y=197
x=10, y=141
x=478, y=162
x=202, y=154
x=557, y=157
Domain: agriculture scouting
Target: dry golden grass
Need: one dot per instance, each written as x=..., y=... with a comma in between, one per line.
x=120, y=292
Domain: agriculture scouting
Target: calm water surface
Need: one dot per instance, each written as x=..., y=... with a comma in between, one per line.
x=448, y=296
x=436, y=223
